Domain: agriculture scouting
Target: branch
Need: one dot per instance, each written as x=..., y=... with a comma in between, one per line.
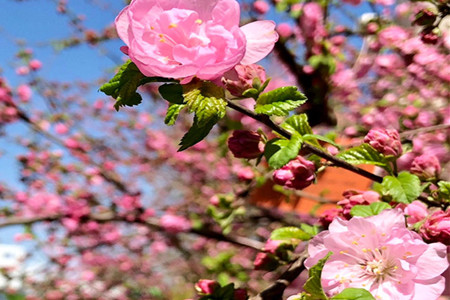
x=336, y=161
x=150, y=222
x=275, y=291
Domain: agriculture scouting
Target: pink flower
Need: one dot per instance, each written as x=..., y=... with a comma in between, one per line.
x=416, y=212
x=381, y=255
x=353, y=198
x=426, y=166
x=393, y=36
x=385, y=141
x=297, y=174
x=437, y=227
x=175, y=224
x=245, y=144
x=183, y=39
x=24, y=92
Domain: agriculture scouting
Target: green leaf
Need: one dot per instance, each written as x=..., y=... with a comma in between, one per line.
x=310, y=229
x=172, y=113
x=444, y=189
x=225, y=292
x=172, y=93
x=354, y=294
x=313, y=285
x=206, y=100
x=404, y=188
x=123, y=86
x=196, y=133
x=279, y=101
x=299, y=123
x=279, y=152
x=288, y=233
x=364, y=154
x=310, y=137
x=369, y=210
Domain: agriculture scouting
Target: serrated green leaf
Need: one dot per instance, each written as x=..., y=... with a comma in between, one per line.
x=309, y=137
x=172, y=93
x=369, y=210
x=206, y=100
x=364, y=154
x=354, y=294
x=289, y=233
x=299, y=123
x=313, y=285
x=279, y=102
x=444, y=189
x=123, y=86
x=310, y=229
x=196, y=133
x=404, y=188
x=172, y=113
x=279, y=152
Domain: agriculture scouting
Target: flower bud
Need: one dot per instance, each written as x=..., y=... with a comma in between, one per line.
x=240, y=294
x=385, y=141
x=265, y=261
x=437, y=227
x=297, y=174
x=416, y=212
x=206, y=286
x=240, y=78
x=245, y=144
x=426, y=166
x=260, y=6
x=425, y=17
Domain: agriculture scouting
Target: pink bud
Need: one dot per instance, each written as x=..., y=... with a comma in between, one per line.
x=261, y=7
x=271, y=246
x=240, y=294
x=240, y=78
x=385, y=141
x=426, y=166
x=437, y=227
x=265, y=261
x=245, y=144
x=206, y=286
x=416, y=211
x=284, y=30
x=35, y=64
x=297, y=174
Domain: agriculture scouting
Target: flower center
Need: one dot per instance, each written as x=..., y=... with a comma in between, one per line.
x=377, y=266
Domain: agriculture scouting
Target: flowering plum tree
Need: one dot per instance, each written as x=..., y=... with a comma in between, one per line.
x=111, y=208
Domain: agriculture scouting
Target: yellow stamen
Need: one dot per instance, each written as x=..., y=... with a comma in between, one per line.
x=198, y=21
x=173, y=25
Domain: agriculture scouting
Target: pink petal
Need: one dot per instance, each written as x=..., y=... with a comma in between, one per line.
x=122, y=23
x=429, y=289
x=261, y=37
x=433, y=261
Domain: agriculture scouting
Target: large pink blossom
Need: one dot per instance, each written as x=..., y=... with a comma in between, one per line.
x=182, y=39
x=381, y=255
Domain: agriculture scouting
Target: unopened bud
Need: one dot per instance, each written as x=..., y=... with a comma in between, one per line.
x=241, y=78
